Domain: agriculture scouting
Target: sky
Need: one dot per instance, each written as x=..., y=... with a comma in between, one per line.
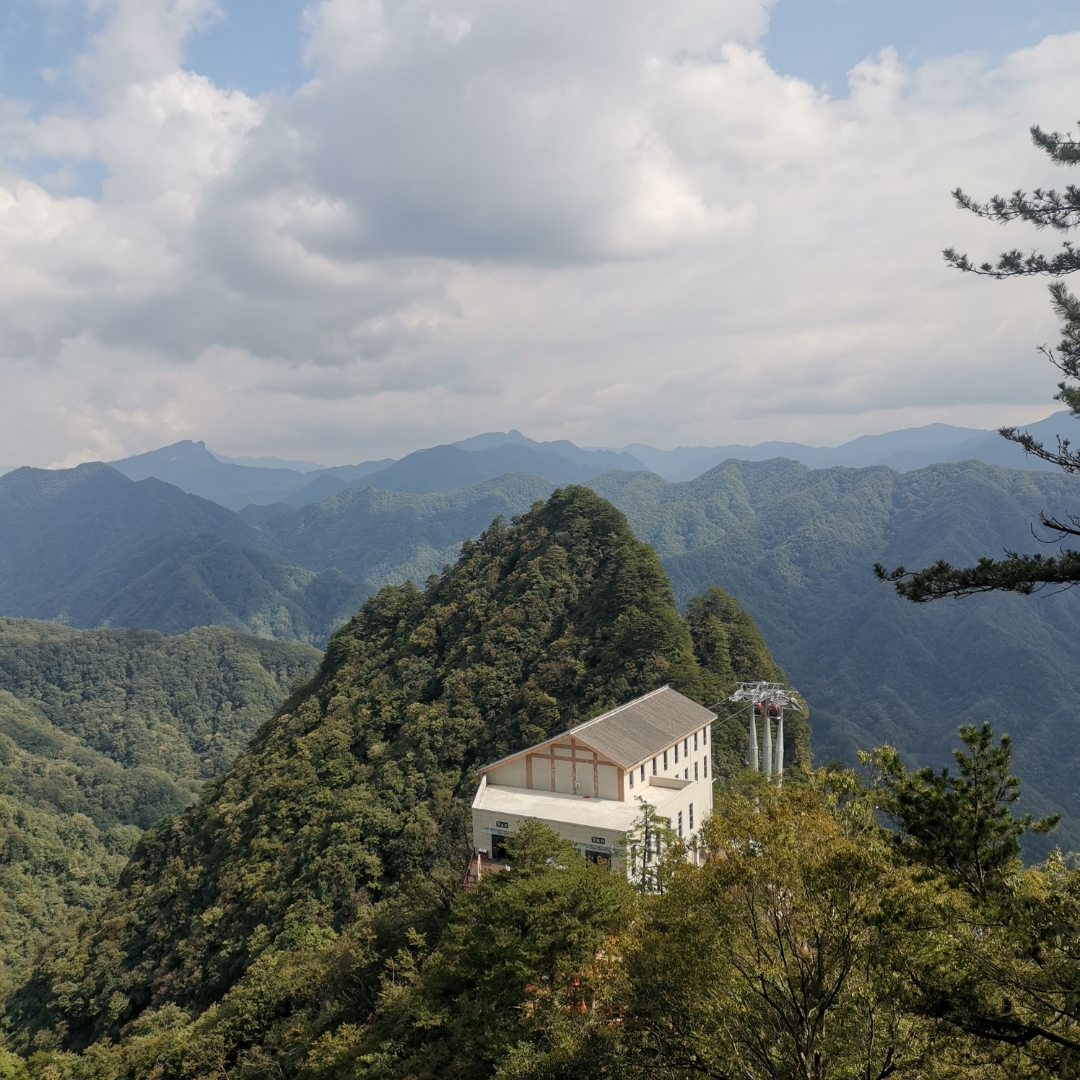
x=345, y=229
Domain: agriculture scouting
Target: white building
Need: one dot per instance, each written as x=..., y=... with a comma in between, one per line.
x=585, y=784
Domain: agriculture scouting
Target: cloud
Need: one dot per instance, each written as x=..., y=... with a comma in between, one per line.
x=610, y=222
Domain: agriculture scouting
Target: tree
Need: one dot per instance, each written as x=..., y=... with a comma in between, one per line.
x=990, y=948
x=773, y=960
x=1058, y=210
x=649, y=843
x=961, y=825
x=525, y=954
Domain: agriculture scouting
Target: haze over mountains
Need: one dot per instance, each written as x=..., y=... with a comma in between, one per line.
x=236, y=482
x=94, y=547
x=194, y=469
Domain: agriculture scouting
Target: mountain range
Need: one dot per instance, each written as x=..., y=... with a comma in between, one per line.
x=795, y=545
x=238, y=482
x=904, y=450
x=194, y=469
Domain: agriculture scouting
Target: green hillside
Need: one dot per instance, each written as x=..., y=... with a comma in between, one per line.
x=102, y=733
x=797, y=547
x=186, y=705
x=266, y=916
x=88, y=547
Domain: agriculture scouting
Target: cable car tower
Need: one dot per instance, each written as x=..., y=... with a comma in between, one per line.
x=767, y=700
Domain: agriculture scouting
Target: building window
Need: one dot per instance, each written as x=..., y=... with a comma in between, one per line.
x=631, y=777
x=686, y=773
x=676, y=753
x=654, y=766
x=691, y=817
x=695, y=774
x=680, y=823
x=686, y=746
x=705, y=766
x=704, y=736
x=665, y=761
x=695, y=742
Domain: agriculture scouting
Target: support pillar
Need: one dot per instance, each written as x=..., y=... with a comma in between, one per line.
x=779, y=767
x=753, y=740
x=768, y=763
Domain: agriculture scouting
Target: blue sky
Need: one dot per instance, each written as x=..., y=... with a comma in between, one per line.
x=256, y=46
x=346, y=230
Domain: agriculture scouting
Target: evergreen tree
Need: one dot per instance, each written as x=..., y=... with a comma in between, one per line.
x=648, y=843
x=961, y=825
x=1045, y=209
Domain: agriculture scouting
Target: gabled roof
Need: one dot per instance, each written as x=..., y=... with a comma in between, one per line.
x=637, y=730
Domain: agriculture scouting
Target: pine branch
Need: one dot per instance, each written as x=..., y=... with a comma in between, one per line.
x=1023, y=574
x=1044, y=209
x=1064, y=458
x=1016, y=264
x=1061, y=148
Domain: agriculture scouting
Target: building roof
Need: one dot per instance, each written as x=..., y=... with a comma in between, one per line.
x=558, y=808
x=637, y=730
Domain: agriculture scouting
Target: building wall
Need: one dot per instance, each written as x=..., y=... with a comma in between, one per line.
x=512, y=774
x=666, y=766
x=608, y=777
x=487, y=823
x=698, y=793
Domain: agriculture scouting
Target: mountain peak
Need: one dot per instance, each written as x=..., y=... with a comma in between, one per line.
x=539, y=625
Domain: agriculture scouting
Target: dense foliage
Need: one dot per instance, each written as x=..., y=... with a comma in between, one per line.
x=340, y=836
x=102, y=733
x=796, y=546
x=806, y=941
x=186, y=705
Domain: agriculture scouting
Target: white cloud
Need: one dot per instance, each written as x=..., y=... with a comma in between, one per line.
x=606, y=222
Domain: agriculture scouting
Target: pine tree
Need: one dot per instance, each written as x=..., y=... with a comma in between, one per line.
x=1045, y=209
x=963, y=824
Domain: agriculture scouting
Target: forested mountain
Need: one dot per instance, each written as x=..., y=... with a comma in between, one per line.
x=89, y=547
x=340, y=836
x=383, y=536
x=797, y=547
x=101, y=734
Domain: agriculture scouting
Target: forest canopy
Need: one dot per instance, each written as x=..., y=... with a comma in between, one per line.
x=346, y=822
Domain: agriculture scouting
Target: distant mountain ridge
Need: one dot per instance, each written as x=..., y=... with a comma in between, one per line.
x=193, y=468
x=904, y=450
x=88, y=547
x=239, y=482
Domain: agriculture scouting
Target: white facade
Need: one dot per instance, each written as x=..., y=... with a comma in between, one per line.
x=587, y=784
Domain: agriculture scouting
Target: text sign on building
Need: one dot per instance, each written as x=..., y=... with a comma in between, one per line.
x=597, y=840
x=502, y=824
